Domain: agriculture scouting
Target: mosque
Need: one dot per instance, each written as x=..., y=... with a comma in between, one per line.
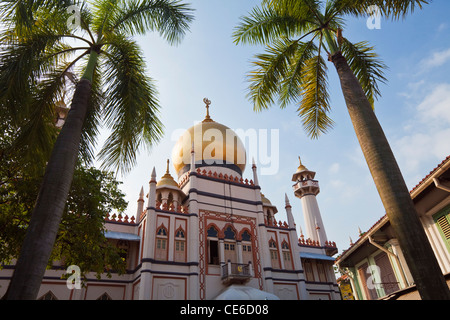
x=212, y=234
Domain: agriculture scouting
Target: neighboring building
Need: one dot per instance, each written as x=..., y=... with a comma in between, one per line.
x=211, y=234
x=375, y=264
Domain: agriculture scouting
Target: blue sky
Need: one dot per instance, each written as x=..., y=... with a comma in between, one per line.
x=414, y=110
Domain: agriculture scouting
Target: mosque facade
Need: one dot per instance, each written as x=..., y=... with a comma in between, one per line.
x=212, y=234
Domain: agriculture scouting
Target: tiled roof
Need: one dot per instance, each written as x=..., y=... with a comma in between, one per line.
x=431, y=172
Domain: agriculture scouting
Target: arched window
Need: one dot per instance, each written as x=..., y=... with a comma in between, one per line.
x=247, y=251
x=229, y=234
x=269, y=217
x=170, y=199
x=213, y=245
x=161, y=243
x=274, y=254
x=246, y=236
x=159, y=198
x=48, y=296
x=104, y=296
x=180, y=245
x=309, y=273
x=230, y=245
x=212, y=232
x=287, y=259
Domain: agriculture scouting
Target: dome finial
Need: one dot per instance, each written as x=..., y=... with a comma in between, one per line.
x=301, y=167
x=167, y=169
x=208, y=103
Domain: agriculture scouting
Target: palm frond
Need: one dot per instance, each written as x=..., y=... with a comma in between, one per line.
x=92, y=123
x=366, y=66
x=130, y=107
x=22, y=14
x=394, y=9
x=315, y=106
x=292, y=85
x=271, y=68
x=38, y=131
x=170, y=18
x=267, y=24
x=103, y=13
x=23, y=63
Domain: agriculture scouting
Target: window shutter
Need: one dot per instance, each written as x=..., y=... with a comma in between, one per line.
x=445, y=227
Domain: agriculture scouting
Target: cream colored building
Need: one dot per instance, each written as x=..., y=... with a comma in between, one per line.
x=375, y=263
x=211, y=234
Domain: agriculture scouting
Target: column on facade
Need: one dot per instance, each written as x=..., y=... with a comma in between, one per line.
x=439, y=247
x=239, y=252
x=222, y=251
x=262, y=235
x=193, y=234
x=148, y=242
x=401, y=267
x=293, y=237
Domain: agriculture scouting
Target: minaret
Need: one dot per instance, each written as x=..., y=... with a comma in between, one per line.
x=255, y=175
x=148, y=241
x=290, y=217
x=140, y=204
x=306, y=188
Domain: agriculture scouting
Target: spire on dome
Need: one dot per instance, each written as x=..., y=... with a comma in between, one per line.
x=301, y=167
x=167, y=168
x=208, y=103
x=167, y=179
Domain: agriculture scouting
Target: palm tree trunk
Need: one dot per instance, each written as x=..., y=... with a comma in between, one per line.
x=49, y=207
x=391, y=187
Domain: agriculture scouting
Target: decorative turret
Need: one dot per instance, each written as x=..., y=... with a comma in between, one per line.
x=305, y=183
x=140, y=203
x=168, y=193
x=290, y=217
x=152, y=190
x=307, y=189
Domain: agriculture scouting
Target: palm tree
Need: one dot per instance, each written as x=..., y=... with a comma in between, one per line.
x=298, y=34
x=42, y=55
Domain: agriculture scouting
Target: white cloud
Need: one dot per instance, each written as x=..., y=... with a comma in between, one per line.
x=442, y=27
x=334, y=168
x=436, y=106
x=437, y=59
x=426, y=136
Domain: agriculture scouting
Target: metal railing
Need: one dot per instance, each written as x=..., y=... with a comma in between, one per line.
x=236, y=271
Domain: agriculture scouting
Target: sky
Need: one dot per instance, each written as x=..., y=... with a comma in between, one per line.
x=414, y=111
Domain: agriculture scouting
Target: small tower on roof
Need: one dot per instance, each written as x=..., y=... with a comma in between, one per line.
x=306, y=188
x=168, y=192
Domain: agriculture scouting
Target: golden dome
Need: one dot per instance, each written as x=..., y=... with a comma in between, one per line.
x=214, y=144
x=301, y=167
x=167, y=179
x=265, y=200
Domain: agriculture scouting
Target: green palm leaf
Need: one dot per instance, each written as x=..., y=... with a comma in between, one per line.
x=315, y=105
x=170, y=18
x=271, y=69
x=130, y=106
x=366, y=66
x=266, y=24
x=393, y=9
x=291, y=87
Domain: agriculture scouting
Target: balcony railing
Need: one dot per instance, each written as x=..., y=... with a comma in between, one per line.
x=236, y=272
x=305, y=184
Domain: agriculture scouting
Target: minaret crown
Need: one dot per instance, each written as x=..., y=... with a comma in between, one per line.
x=304, y=181
x=303, y=173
